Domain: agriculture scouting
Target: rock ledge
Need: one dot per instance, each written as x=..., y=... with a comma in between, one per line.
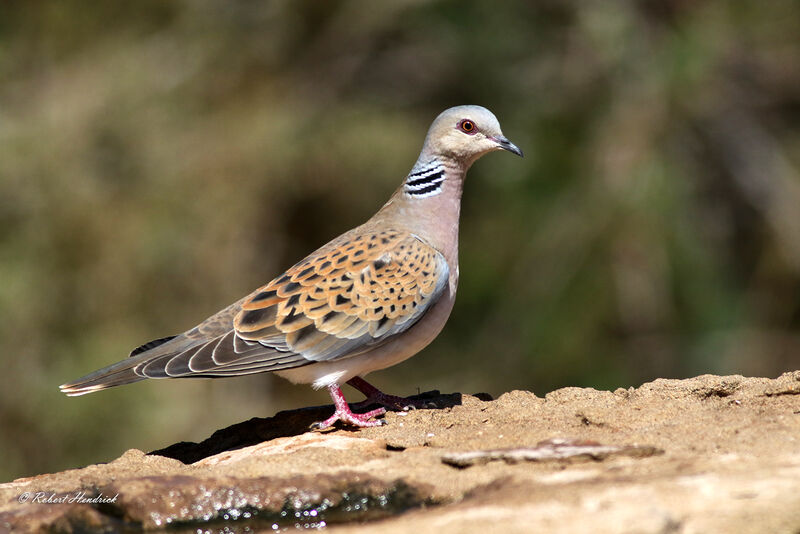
x=707, y=454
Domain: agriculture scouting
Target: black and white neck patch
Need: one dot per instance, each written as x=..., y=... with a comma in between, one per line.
x=425, y=181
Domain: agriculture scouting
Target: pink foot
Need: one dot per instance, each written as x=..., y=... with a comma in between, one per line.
x=376, y=396
x=344, y=414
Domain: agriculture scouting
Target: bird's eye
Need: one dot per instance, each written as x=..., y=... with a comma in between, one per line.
x=467, y=126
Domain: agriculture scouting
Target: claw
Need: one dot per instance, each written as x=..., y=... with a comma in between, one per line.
x=392, y=402
x=344, y=414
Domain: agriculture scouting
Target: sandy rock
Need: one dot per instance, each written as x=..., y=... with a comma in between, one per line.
x=707, y=454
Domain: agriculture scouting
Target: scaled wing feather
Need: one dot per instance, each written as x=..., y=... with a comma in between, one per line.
x=351, y=295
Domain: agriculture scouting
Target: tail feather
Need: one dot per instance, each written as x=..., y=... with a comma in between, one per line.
x=151, y=345
x=124, y=372
x=114, y=375
x=78, y=388
x=184, y=356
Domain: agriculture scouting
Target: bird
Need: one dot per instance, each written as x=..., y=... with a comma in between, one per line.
x=369, y=299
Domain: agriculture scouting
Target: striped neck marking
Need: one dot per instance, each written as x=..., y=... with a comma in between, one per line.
x=426, y=181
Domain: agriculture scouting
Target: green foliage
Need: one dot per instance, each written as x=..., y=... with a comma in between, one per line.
x=160, y=159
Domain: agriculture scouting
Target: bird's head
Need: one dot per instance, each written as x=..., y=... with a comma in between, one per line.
x=465, y=133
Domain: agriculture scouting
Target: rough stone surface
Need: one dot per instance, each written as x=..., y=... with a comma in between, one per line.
x=708, y=454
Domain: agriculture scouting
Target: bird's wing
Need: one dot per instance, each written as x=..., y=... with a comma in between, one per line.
x=356, y=292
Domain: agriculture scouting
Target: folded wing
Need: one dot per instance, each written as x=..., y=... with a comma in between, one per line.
x=357, y=292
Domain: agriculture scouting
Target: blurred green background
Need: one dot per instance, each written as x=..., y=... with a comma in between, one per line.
x=159, y=160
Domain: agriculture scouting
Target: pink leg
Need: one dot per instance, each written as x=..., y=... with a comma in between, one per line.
x=376, y=396
x=344, y=414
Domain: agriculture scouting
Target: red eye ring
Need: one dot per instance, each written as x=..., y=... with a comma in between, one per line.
x=467, y=126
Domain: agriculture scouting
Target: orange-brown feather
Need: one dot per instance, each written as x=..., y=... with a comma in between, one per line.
x=354, y=286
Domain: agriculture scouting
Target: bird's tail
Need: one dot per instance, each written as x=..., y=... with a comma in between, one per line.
x=114, y=375
x=120, y=373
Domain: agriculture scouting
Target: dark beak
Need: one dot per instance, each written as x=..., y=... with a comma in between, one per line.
x=505, y=144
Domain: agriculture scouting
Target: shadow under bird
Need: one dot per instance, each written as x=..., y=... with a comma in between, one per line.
x=369, y=299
